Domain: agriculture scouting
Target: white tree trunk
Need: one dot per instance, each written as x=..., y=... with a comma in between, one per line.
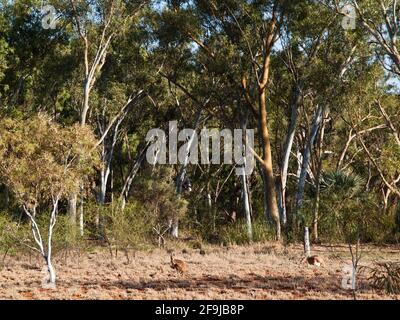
x=175, y=229
x=50, y=280
x=246, y=205
x=52, y=273
x=245, y=186
x=72, y=202
x=129, y=179
x=81, y=212
x=182, y=172
x=307, y=250
x=296, y=94
x=318, y=117
x=318, y=180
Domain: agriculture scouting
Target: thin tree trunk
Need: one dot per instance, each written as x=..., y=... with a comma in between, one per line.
x=129, y=179
x=72, y=207
x=175, y=228
x=318, y=116
x=81, y=212
x=296, y=93
x=52, y=273
x=86, y=96
x=246, y=205
x=182, y=173
x=318, y=182
x=307, y=250
x=245, y=186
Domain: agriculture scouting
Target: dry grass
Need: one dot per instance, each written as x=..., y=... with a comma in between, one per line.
x=248, y=272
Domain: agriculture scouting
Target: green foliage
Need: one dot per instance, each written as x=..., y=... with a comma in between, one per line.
x=128, y=229
x=40, y=160
x=237, y=233
x=185, y=55
x=14, y=236
x=158, y=195
x=386, y=276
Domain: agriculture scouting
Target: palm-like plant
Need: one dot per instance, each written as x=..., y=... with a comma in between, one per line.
x=340, y=184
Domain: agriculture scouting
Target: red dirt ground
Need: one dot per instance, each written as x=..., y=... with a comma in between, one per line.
x=262, y=271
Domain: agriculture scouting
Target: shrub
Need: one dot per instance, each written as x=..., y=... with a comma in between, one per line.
x=127, y=229
x=386, y=276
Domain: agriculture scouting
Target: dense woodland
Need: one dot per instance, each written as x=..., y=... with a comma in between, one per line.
x=78, y=98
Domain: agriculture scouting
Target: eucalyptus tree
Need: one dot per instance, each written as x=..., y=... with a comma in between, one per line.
x=232, y=43
x=304, y=32
x=93, y=28
x=378, y=20
x=40, y=163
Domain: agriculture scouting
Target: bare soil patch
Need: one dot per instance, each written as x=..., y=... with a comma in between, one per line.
x=261, y=271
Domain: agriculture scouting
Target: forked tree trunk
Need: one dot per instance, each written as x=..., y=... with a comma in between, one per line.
x=318, y=116
x=50, y=280
x=296, y=94
x=318, y=182
x=123, y=198
x=182, y=172
x=266, y=164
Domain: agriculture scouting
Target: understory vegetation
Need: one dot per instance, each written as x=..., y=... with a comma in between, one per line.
x=78, y=99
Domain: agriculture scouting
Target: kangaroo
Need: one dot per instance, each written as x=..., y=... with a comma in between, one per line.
x=179, y=265
x=315, y=261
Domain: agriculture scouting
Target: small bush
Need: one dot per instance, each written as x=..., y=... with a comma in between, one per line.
x=386, y=276
x=236, y=234
x=128, y=229
x=14, y=236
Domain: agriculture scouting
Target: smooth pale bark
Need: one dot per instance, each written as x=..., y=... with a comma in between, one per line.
x=72, y=203
x=182, y=172
x=262, y=77
x=307, y=250
x=72, y=206
x=318, y=181
x=318, y=117
x=175, y=228
x=52, y=272
x=174, y=223
x=107, y=156
x=50, y=280
x=246, y=206
x=299, y=157
x=92, y=69
x=129, y=179
x=245, y=186
x=295, y=99
x=266, y=164
x=270, y=192
x=81, y=212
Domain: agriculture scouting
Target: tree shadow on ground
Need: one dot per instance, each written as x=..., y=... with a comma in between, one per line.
x=295, y=284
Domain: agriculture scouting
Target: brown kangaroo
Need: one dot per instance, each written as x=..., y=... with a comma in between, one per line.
x=315, y=261
x=178, y=265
